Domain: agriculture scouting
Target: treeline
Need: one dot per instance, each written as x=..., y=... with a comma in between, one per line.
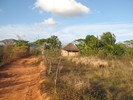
x=77, y=81
x=51, y=46
x=105, y=46
x=22, y=48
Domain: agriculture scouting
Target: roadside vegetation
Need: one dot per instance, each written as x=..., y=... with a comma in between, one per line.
x=102, y=71
x=86, y=82
x=10, y=53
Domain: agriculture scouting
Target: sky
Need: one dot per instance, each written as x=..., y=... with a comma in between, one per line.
x=68, y=19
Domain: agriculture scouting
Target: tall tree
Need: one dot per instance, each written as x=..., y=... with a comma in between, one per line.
x=108, y=38
x=52, y=42
x=91, y=41
x=80, y=43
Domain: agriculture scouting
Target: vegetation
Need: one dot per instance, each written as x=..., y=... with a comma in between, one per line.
x=105, y=46
x=89, y=77
x=88, y=82
x=85, y=77
x=21, y=43
x=12, y=52
x=49, y=43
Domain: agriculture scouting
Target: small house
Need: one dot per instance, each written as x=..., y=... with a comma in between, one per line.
x=70, y=50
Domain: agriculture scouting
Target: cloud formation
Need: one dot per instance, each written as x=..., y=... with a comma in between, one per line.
x=49, y=21
x=122, y=31
x=62, y=8
x=66, y=34
x=27, y=32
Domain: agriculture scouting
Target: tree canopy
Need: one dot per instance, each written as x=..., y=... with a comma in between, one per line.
x=52, y=42
x=105, y=45
x=108, y=38
x=21, y=43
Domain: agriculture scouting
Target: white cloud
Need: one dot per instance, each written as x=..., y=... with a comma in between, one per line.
x=62, y=8
x=66, y=34
x=122, y=31
x=49, y=21
x=29, y=32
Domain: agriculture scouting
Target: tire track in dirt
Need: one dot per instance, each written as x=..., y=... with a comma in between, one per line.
x=20, y=80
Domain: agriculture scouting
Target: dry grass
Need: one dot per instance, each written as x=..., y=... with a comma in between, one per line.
x=114, y=81
x=11, y=53
x=92, y=60
x=82, y=78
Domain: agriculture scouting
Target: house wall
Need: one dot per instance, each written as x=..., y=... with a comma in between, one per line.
x=73, y=53
x=66, y=53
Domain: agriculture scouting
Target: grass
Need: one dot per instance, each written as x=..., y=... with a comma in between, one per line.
x=79, y=81
x=11, y=53
x=80, y=78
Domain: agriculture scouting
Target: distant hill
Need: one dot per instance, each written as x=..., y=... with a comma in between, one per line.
x=7, y=42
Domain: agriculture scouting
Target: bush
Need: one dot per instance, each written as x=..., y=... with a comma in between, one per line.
x=12, y=52
x=80, y=82
x=34, y=51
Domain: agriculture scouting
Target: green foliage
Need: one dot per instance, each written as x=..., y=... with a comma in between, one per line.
x=118, y=50
x=89, y=45
x=54, y=41
x=21, y=43
x=128, y=49
x=129, y=52
x=108, y=38
x=129, y=43
x=41, y=41
x=49, y=43
x=104, y=47
x=92, y=43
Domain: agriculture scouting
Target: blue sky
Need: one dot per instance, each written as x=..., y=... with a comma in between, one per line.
x=68, y=19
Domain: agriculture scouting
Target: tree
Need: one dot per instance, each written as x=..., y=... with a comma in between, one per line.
x=41, y=41
x=108, y=42
x=24, y=46
x=89, y=45
x=108, y=38
x=91, y=41
x=118, y=50
x=129, y=43
x=50, y=49
x=52, y=42
x=80, y=43
x=21, y=43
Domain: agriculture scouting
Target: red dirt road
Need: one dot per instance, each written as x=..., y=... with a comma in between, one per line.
x=20, y=80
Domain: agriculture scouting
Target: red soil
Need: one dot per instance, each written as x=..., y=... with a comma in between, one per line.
x=20, y=80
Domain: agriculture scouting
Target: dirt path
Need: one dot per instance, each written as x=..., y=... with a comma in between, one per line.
x=20, y=80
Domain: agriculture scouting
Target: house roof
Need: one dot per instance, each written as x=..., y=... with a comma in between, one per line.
x=71, y=47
